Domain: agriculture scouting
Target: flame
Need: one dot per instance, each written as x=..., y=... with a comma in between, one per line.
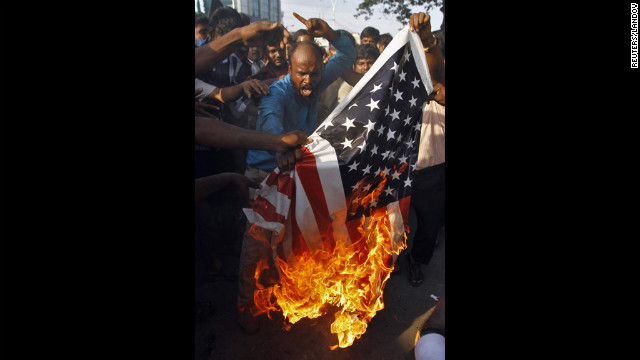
x=351, y=276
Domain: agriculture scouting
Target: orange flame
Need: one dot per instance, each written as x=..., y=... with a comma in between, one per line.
x=351, y=275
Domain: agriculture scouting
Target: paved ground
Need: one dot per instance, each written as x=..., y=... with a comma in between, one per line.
x=389, y=336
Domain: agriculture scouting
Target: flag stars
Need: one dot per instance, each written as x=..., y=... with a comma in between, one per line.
x=354, y=166
x=409, y=143
x=402, y=76
x=373, y=104
x=346, y=143
x=395, y=176
x=407, y=56
x=416, y=83
x=398, y=95
x=374, y=151
x=352, y=105
x=381, y=130
x=395, y=115
x=413, y=101
x=366, y=170
x=407, y=182
x=403, y=159
x=389, y=191
x=407, y=120
x=390, y=134
x=394, y=67
x=363, y=145
x=376, y=88
x=370, y=126
x=348, y=123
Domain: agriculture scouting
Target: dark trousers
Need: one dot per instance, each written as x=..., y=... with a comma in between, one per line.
x=427, y=200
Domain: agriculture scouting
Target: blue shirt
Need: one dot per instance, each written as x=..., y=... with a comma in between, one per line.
x=281, y=113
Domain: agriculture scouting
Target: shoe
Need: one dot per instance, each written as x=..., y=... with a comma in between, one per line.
x=248, y=323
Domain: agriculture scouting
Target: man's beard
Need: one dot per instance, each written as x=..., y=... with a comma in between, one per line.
x=306, y=100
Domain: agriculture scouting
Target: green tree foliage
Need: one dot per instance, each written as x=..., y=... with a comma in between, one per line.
x=400, y=8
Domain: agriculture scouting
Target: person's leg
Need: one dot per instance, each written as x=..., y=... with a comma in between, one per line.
x=427, y=198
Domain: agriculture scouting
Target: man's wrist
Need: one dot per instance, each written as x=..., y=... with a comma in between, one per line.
x=433, y=43
x=332, y=35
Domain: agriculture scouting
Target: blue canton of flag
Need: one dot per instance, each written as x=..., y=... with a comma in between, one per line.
x=376, y=135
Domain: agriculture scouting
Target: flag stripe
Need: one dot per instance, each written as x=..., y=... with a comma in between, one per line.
x=310, y=180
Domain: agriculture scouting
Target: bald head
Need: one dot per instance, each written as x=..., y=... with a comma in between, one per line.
x=305, y=51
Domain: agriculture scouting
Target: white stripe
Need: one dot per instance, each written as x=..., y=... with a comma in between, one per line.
x=280, y=201
x=255, y=218
x=421, y=60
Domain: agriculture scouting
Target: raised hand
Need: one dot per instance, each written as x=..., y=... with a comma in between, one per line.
x=257, y=33
x=421, y=23
x=318, y=28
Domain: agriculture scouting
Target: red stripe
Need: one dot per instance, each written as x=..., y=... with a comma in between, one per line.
x=404, y=210
x=312, y=186
x=267, y=210
x=283, y=183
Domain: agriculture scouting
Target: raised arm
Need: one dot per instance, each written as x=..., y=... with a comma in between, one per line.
x=421, y=23
x=258, y=32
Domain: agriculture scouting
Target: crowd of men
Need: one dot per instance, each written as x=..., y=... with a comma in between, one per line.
x=259, y=92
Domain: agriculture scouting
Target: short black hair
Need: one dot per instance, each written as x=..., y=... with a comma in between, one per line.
x=246, y=20
x=274, y=39
x=385, y=39
x=370, y=32
x=202, y=19
x=367, y=51
x=295, y=45
x=224, y=20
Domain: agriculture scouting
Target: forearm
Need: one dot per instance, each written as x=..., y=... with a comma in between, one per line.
x=231, y=93
x=207, y=56
x=435, y=61
x=214, y=133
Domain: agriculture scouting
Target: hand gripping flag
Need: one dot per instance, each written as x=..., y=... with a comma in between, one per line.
x=339, y=219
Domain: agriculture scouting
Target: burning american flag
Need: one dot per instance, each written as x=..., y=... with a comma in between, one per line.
x=339, y=219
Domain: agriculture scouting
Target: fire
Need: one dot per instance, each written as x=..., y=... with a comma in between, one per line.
x=352, y=276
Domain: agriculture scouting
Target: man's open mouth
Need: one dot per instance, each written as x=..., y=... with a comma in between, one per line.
x=306, y=90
